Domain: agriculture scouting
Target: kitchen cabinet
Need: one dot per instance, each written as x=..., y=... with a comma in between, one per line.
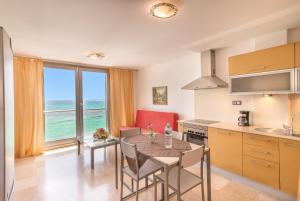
x=289, y=165
x=261, y=159
x=276, y=58
x=226, y=149
x=297, y=54
x=274, y=82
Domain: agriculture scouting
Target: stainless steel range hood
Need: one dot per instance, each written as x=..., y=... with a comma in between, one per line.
x=208, y=80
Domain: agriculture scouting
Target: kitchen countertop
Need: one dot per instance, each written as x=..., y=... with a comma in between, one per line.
x=245, y=129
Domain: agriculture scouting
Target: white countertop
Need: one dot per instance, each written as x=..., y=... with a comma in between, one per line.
x=245, y=129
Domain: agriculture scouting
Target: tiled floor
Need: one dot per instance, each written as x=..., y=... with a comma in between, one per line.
x=63, y=176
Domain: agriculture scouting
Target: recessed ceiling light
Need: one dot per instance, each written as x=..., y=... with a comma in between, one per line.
x=163, y=10
x=95, y=55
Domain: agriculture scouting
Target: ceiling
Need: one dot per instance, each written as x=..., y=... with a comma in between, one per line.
x=127, y=34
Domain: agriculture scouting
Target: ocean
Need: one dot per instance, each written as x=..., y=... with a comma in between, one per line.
x=60, y=118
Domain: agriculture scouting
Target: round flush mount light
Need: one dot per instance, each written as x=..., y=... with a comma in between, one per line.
x=95, y=55
x=163, y=10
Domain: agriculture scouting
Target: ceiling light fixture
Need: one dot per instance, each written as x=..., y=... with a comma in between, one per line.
x=163, y=10
x=95, y=55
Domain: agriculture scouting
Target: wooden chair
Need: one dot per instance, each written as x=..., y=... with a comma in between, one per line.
x=182, y=180
x=147, y=169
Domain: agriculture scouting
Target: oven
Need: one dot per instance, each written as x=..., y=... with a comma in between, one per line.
x=195, y=133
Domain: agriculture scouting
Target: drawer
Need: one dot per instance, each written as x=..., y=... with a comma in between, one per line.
x=261, y=153
x=261, y=171
x=270, y=143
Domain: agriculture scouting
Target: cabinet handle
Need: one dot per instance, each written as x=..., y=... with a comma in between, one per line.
x=257, y=69
x=261, y=164
x=261, y=152
x=291, y=145
x=224, y=133
x=262, y=140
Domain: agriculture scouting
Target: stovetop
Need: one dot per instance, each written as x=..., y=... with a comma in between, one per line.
x=201, y=121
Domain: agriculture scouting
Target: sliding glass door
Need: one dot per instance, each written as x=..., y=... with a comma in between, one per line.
x=93, y=99
x=75, y=103
x=59, y=104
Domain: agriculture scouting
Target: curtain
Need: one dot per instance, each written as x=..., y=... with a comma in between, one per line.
x=29, y=118
x=121, y=99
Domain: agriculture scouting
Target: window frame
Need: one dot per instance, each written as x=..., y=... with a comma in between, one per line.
x=78, y=102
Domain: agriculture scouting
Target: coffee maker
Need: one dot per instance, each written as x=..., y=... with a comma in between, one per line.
x=244, y=118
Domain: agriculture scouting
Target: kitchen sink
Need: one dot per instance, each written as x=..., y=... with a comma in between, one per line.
x=276, y=131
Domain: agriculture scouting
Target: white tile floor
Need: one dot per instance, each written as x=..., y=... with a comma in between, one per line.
x=62, y=175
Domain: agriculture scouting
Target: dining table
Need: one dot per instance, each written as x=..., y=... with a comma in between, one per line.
x=168, y=157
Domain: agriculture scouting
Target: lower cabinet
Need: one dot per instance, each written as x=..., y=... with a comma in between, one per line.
x=269, y=160
x=226, y=149
x=289, y=165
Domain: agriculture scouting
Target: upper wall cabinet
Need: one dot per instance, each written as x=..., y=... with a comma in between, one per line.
x=276, y=58
x=297, y=54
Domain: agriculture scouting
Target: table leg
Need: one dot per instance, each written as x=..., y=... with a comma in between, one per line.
x=208, y=177
x=116, y=164
x=104, y=153
x=92, y=158
x=78, y=147
x=166, y=183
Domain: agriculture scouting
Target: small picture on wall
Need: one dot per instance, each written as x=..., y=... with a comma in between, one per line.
x=160, y=95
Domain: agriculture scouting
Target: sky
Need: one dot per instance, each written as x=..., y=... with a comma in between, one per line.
x=59, y=84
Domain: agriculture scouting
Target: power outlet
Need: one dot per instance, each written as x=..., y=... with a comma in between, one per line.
x=237, y=102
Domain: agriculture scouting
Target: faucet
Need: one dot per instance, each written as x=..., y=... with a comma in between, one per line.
x=290, y=129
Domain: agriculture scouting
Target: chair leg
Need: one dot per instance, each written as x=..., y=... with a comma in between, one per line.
x=202, y=192
x=132, y=186
x=146, y=182
x=155, y=188
x=178, y=195
x=122, y=179
x=137, y=190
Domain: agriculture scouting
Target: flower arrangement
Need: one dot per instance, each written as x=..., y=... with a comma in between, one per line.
x=101, y=133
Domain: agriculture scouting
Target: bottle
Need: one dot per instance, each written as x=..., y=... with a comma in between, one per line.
x=168, y=136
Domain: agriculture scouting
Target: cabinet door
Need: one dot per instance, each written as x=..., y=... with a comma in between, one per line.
x=289, y=165
x=276, y=58
x=297, y=54
x=226, y=149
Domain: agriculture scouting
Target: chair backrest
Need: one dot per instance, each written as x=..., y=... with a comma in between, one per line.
x=192, y=157
x=130, y=132
x=129, y=150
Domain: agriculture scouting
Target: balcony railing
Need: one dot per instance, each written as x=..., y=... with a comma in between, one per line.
x=61, y=124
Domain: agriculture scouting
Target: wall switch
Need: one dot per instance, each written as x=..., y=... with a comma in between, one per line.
x=237, y=102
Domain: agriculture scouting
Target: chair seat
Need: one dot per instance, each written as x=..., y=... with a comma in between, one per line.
x=147, y=169
x=187, y=179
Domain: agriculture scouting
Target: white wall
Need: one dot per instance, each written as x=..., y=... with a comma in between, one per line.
x=174, y=74
x=216, y=104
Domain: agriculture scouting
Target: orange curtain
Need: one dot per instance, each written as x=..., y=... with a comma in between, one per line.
x=29, y=118
x=121, y=99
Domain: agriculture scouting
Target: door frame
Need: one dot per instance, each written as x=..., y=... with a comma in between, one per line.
x=78, y=102
x=80, y=98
